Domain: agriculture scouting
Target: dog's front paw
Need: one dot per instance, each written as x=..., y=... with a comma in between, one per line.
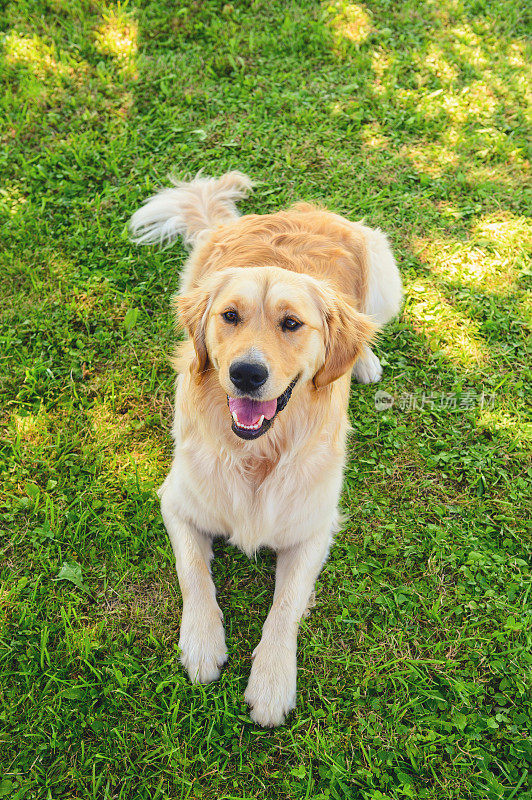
x=271, y=691
x=202, y=644
x=368, y=368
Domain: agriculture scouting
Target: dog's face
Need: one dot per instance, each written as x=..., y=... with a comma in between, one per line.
x=265, y=331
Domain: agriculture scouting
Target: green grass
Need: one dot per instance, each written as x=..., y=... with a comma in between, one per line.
x=414, y=667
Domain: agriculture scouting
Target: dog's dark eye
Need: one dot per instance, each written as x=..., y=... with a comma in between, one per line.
x=291, y=324
x=231, y=317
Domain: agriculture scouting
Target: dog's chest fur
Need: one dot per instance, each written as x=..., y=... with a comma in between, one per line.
x=252, y=501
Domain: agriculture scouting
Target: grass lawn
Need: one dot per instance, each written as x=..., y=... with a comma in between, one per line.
x=415, y=665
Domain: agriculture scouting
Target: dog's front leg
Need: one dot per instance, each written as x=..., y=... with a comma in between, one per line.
x=202, y=637
x=271, y=691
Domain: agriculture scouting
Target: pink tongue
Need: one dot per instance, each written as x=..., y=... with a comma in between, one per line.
x=249, y=411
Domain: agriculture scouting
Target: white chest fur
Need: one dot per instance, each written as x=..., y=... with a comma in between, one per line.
x=233, y=497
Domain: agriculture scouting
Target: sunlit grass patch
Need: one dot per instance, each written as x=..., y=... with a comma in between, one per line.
x=514, y=174
x=431, y=158
x=473, y=103
x=476, y=102
x=517, y=56
x=141, y=457
x=348, y=21
x=117, y=37
x=12, y=200
x=446, y=328
x=490, y=260
x=32, y=52
x=461, y=85
x=36, y=66
x=465, y=263
x=510, y=234
x=373, y=138
x=108, y=426
x=437, y=62
x=128, y=447
x=470, y=45
x=506, y=423
x=32, y=429
x=381, y=61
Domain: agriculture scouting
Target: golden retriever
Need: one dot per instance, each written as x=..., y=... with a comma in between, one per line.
x=279, y=309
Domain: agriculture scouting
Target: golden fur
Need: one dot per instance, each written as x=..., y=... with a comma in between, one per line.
x=281, y=489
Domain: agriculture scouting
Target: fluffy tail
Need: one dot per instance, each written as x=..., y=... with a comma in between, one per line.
x=189, y=209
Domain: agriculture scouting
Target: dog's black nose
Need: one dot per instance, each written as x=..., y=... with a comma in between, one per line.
x=248, y=377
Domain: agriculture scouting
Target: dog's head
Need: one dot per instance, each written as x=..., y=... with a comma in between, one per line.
x=267, y=331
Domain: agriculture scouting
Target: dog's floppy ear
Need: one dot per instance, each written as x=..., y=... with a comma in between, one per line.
x=346, y=333
x=192, y=311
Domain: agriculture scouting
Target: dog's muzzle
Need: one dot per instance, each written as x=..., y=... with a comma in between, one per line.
x=252, y=418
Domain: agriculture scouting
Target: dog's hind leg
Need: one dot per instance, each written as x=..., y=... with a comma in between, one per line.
x=383, y=299
x=367, y=368
x=202, y=637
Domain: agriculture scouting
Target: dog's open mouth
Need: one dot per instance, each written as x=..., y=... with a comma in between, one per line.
x=252, y=418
